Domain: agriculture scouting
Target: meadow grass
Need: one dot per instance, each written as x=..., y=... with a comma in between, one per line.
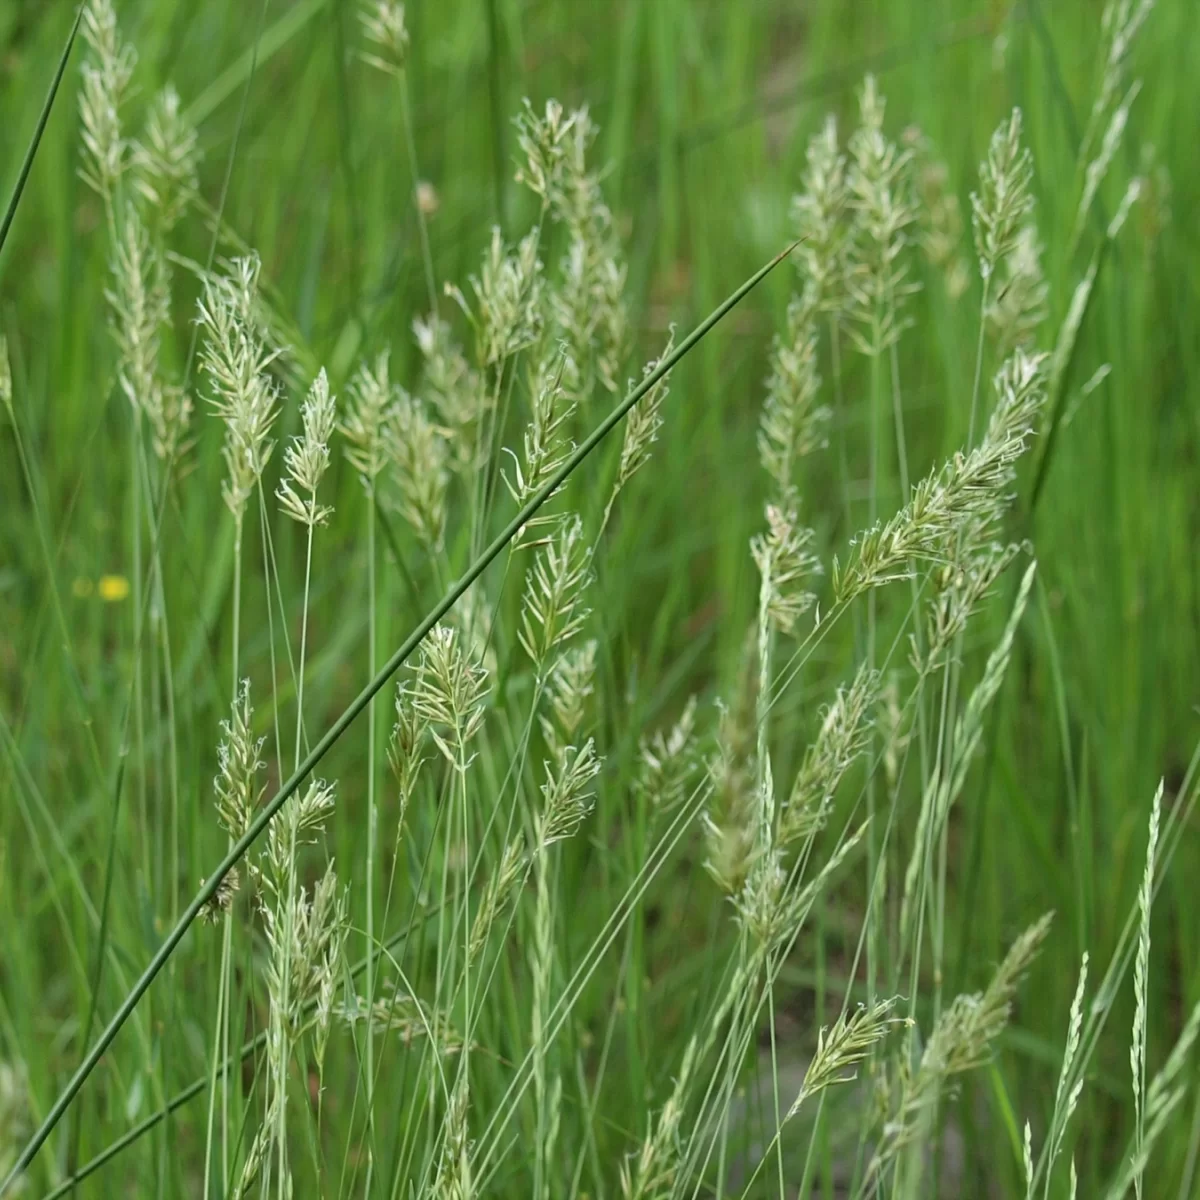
x=510, y=688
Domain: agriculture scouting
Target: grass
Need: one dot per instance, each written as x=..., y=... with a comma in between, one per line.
x=571, y=1003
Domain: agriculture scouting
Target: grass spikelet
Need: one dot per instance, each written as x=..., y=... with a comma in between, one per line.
x=939, y=216
x=642, y=427
x=569, y=688
x=501, y=887
x=843, y=1045
x=652, y=1171
x=1141, y=968
x=405, y=745
x=6, y=385
x=1001, y=207
x=544, y=142
x=306, y=459
x=960, y=504
x=667, y=762
x=884, y=211
x=772, y=907
x=553, y=612
x=567, y=792
x=1066, y=1096
x=453, y=1180
x=166, y=159
x=546, y=441
x=385, y=29
x=449, y=689
x=106, y=77
x=237, y=362
x=784, y=563
x=961, y=1040
x=844, y=733
x=731, y=819
x=370, y=413
x=419, y=454
x=141, y=307
x=588, y=306
x=1120, y=23
x=454, y=389
x=508, y=313
x=236, y=788
x=1016, y=308
x=793, y=422
x=1097, y=169
x=818, y=217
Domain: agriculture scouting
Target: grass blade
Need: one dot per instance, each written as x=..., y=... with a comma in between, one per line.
x=36, y=140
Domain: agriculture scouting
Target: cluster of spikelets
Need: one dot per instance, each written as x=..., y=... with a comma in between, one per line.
x=547, y=340
x=862, y=216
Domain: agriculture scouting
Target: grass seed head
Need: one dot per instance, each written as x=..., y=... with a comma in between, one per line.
x=306, y=460
x=1001, y=207
x=386, y=32
x=166, y=159
x=107, y=73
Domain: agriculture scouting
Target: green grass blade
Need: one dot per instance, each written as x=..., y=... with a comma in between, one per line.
x=36, y=140
x=243, y=844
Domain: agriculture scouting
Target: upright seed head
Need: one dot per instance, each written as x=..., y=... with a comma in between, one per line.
x=784, y=562
x=455, y=390
x=553, y=611
x=1141, y=974
x=1017, y=309
x=236, y=786
x=567, y=792
x=842, y=737
x=546, y=442
x=793, y=422
x=307, y=458
x=165, y=160
x=668, y=762
x=371, y=412
x=643, y=423
x=6, y=386
x=881, y=201
x=818, y=215
x=731, y=820
x=939, y=216
x=385, y=30
x=568, y=688
x=544, y=144
x=141, y=306
x=106, y=76
x=508, y=313
x=236, y=359
x=448, y=692
x=418, y=451
x=1003, y=203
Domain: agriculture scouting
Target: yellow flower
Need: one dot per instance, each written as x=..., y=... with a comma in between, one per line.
x=113, y=588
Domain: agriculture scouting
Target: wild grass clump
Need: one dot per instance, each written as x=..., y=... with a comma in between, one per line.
x=436, y=967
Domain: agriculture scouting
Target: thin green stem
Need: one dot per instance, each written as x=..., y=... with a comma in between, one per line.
x=422, y=227
x=372, y=831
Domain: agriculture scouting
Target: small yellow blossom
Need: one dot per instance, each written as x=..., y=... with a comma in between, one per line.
x=113, y=588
